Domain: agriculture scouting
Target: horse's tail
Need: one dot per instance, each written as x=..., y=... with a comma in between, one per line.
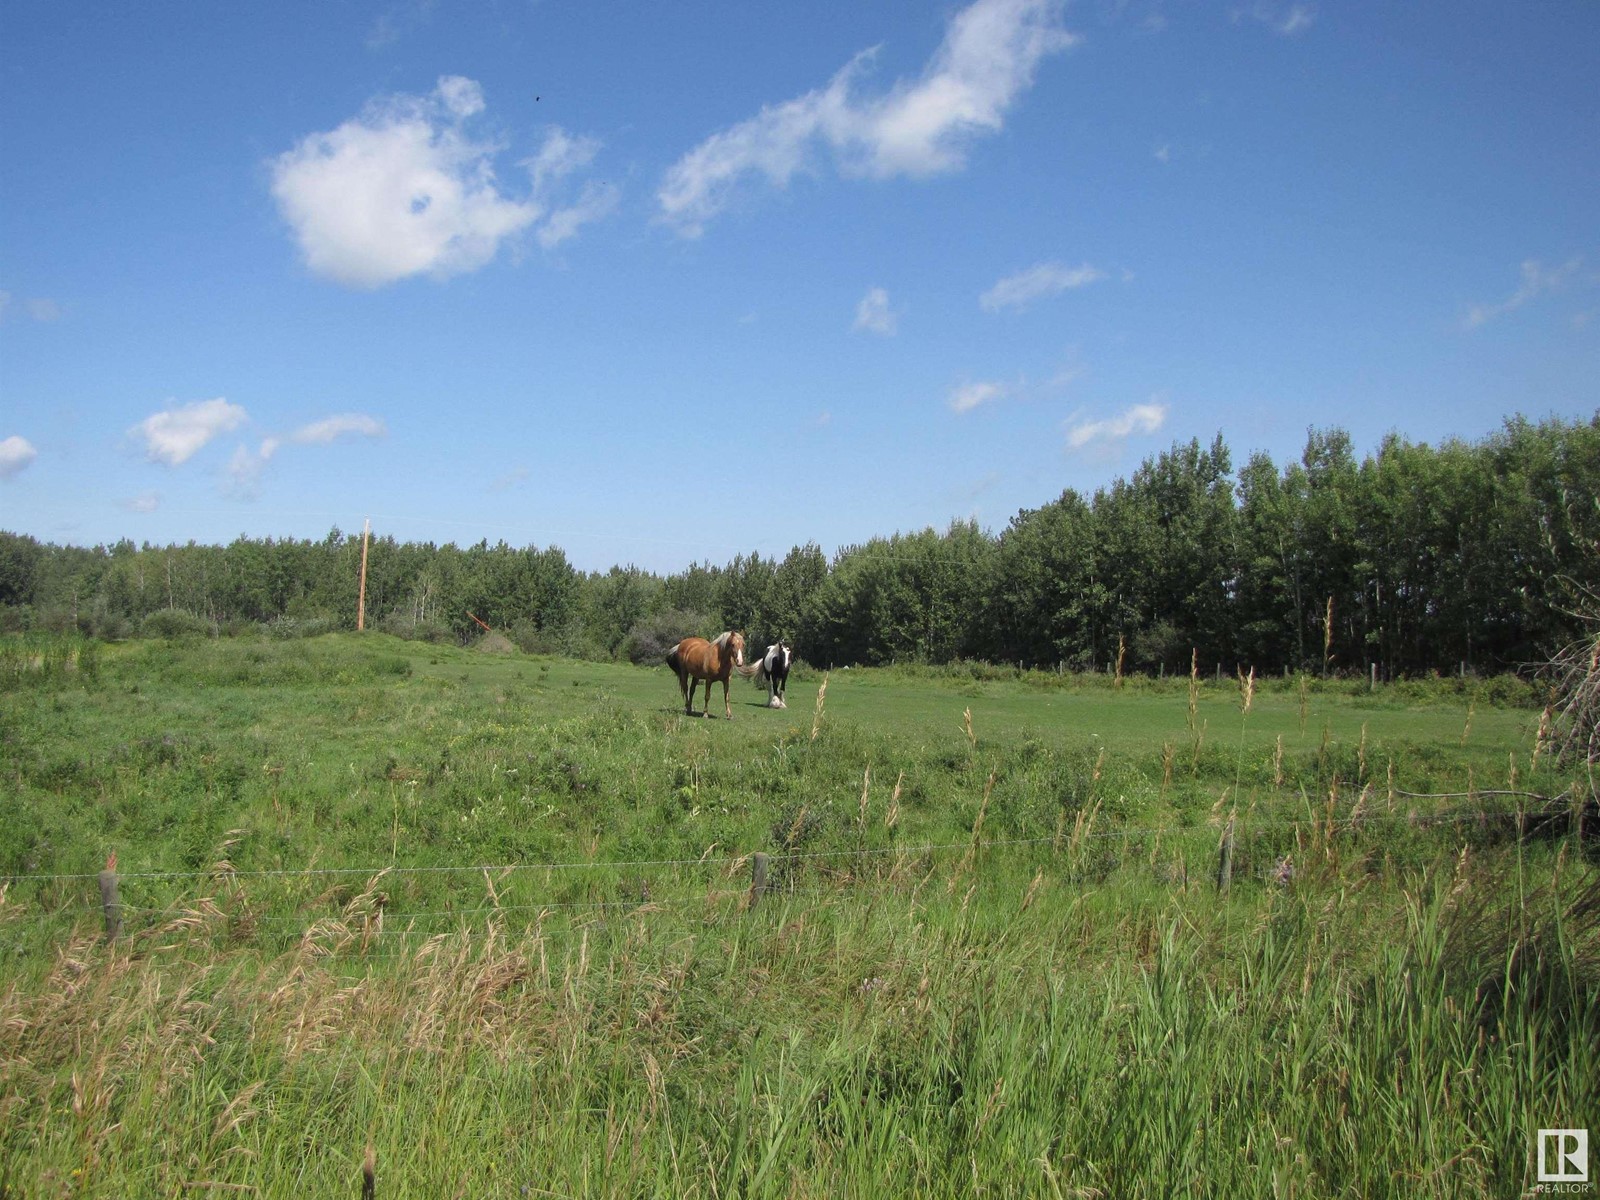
x=672, y=660
x=760, y=677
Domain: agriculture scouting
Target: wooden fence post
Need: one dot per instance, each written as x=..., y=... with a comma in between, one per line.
x=758, y=878
x=1225, y=860
x=110, y=905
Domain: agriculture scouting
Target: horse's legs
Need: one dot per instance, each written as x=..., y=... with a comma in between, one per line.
x=683, y=688
x=727, y=707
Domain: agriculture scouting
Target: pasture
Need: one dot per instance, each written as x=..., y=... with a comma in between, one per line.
x=489, y=918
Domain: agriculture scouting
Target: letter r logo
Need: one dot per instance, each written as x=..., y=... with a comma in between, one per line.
x=1563, y=1155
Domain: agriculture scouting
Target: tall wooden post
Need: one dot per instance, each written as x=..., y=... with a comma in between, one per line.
x=361, y=600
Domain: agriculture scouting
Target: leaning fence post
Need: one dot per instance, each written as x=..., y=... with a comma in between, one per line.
x=758, y=878
x=1225, y=859
x=110, y=905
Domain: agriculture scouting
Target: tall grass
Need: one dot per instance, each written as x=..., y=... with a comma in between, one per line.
x=1343, y=1036
x=1006, y=978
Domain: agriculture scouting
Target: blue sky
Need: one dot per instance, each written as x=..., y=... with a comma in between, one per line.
x=664, y=283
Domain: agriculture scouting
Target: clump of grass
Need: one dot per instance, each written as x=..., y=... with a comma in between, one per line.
x=816, y=716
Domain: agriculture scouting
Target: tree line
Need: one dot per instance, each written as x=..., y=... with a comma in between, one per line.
x=1414, y=558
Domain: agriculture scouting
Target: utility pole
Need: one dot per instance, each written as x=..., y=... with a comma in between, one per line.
x=361, y=600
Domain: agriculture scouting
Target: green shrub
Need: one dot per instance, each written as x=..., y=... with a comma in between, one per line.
x=173, y=623
x=649, y=641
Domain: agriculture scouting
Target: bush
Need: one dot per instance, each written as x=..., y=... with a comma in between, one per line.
x=170, y=623
x=284, y=628
x=570, y=640
x=403, y=625
x=649, y=640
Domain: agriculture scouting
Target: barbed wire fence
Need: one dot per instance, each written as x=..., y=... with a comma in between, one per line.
x=395, y=903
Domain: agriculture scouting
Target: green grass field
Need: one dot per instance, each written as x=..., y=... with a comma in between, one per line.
x=491, y=916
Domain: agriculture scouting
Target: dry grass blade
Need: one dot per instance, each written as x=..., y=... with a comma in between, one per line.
x=822, y=699
x=1571, y=724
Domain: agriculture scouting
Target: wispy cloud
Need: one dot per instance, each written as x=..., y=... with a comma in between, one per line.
x=561, y=157
x=1287, y=20
x=175, y=435
x=916, y=128
x=597, y=201
x=404, y=189
x=512, y=478
x=1537, y=279
x=16, y=455
x=874, y=315
x=145, y=502
x=397, y=21
x=36, y=309
x=1141, y=418
x=247, y=466
x=970, y=395
x=331, y=429
x=1037, y=283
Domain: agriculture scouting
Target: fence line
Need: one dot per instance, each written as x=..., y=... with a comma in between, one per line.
x=370, y=919
x=1356, y=816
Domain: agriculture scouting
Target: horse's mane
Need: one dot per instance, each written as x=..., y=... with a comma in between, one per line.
x=722, y=640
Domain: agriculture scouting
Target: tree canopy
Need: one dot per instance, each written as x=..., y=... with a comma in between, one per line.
x=1414, y=558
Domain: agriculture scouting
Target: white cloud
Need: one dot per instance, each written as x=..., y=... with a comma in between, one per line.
x=598, y=200
x=560, y=156
x=1141, y=418
x=246, y=467
x=145, y=502
x=331, y=428
x=916, y=128
x=177, y=434
x=1036, y=283
x=16, y=454
x=1284, y=19
x=404, y=190
x=970, y=395
x=245, y=470
x=398, y=21
x=874, y=315
x=1537, y=279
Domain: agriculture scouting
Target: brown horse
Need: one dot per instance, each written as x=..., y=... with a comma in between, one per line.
x=695, y=659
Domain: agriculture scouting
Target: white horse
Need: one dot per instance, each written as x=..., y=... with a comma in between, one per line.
x=774, y=673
